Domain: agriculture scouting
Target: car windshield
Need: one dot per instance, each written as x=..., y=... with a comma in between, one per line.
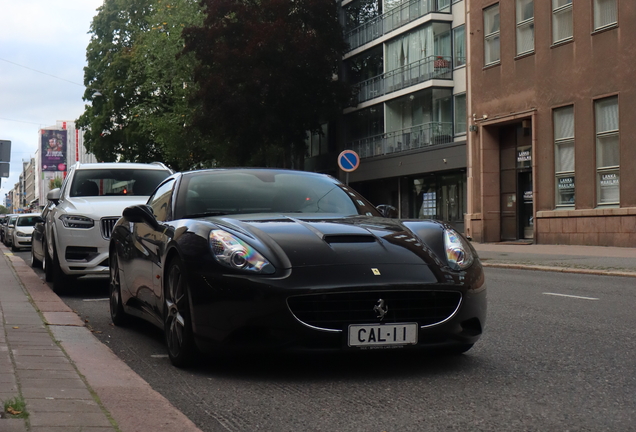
x=267, y=191
x=27, y=220
x=102, y=182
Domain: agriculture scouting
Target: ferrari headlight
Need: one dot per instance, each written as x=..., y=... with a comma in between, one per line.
x=72, y=221
x=458, y=251
x=234, y=253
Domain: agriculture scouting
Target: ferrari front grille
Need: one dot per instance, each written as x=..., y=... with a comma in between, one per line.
x=335, y=311
x=107, y=225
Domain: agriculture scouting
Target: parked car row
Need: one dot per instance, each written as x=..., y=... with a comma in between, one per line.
x=16, y=229
x=234, y=259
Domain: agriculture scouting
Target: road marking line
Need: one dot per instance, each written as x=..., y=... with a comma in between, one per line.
x=159, y=355
x=572, y=296
x=96, y=299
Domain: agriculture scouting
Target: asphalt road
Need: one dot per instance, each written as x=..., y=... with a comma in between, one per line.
x=557, y=355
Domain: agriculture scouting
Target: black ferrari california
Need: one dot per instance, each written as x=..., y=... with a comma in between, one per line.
x=236, y=259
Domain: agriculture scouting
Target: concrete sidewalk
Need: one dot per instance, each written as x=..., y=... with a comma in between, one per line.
x=599, y=260
x=69, y=380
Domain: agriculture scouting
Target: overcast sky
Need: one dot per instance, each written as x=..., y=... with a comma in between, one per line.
x=42, y=58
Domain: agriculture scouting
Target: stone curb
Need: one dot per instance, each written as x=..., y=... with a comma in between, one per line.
x=560, y=269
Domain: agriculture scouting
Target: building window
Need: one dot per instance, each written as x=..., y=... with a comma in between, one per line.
x=491, y=35
x=563, y=119
x=460, y=114
x=459, y=45
x=525, y=26
x=605, y=13
x=607, y=151
x=561, y=20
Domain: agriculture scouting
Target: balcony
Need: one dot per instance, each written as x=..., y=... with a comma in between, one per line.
x=412, y=138
x=433, y=67
x=392, y=20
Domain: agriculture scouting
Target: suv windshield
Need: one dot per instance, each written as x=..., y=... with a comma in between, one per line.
x=103, y=182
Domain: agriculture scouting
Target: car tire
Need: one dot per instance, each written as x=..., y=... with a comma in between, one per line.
x=13, y=248
x=47, y=264
x=35, y=263
x=177, y=321
x=61, y=282
x=117, y=314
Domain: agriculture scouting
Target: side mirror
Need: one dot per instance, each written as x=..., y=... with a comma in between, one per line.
x=387, y=211
x=54, y=195
x=141, y=214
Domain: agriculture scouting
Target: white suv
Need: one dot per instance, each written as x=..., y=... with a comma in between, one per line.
x=86, y=207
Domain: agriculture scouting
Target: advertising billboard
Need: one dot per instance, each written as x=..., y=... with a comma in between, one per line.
x=54, y=150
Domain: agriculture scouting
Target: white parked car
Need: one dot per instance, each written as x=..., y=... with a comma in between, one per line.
x=8, y=229
x=22, y=230
x=78, y=226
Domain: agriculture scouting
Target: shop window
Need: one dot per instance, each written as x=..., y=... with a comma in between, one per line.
x=607, y=151
x=563, y=119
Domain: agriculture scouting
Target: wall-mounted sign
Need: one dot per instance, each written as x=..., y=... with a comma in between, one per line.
x=524, y=157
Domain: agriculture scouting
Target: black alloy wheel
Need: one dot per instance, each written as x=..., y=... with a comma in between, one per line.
x=35, y=263
x=117, y=313
x=47, y=263
x=177, y=324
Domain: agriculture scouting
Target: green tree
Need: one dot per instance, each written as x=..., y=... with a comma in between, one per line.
x=165, y=114
x=266, y=76
x=55, y=183
x=3, y=210
x=112, y=132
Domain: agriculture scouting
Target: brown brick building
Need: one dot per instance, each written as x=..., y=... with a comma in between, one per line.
x=552, y=120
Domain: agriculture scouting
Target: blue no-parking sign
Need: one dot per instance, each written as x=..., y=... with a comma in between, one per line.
x=348, y=160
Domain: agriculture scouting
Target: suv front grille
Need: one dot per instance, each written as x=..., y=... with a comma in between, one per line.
x=107, y=225
x=335, y=311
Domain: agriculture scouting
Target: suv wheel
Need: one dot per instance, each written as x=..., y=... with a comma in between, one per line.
x=61, y=281
x=47, y=264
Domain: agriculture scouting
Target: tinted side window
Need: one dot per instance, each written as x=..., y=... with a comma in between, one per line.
x=161, y=201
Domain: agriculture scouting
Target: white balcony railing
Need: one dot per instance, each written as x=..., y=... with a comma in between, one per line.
x=414, y=137
x=393, y=19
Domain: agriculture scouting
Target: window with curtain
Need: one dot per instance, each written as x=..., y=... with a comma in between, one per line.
x=525, y=26
x=563, y=121
x=460, y=114
x=491, y=35
x=459, y=45
x=409, y=48
x=562, y=29
x=607, y=151
x=605, y=13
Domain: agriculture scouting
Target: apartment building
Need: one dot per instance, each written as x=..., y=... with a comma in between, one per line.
x=408, y=123
x=552, y=116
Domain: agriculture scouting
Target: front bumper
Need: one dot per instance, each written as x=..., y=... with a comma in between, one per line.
x=231, y=312
x=82, y=251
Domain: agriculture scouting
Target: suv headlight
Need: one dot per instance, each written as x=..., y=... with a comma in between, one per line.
x=73, y=221
x=458, y=252
x=234, y=253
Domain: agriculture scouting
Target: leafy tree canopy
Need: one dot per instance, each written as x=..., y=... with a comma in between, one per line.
x=266, y=76
x=165, y=114
x=112, y=132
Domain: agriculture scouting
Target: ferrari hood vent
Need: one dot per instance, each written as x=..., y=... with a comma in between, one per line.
x=348, y=238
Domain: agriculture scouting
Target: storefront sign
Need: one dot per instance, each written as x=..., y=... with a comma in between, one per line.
x=609, y=180
x=566, y=183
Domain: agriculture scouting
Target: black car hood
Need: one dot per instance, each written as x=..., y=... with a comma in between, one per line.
x=320, y=241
